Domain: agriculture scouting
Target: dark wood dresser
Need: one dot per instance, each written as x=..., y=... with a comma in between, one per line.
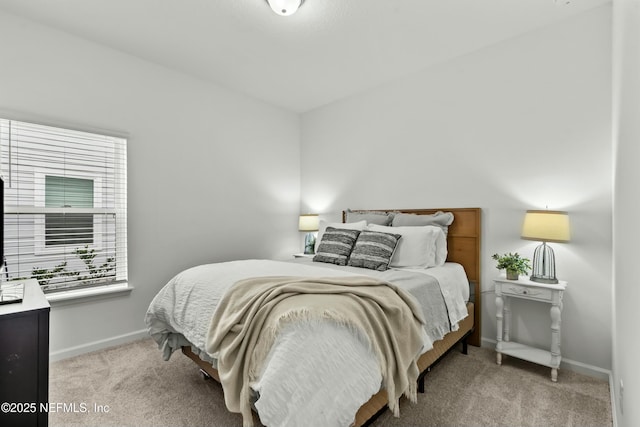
x=24, y=359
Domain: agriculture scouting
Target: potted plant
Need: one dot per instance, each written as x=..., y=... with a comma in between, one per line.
x=513, y=263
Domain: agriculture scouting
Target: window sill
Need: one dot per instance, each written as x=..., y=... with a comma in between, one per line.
x=77, y=296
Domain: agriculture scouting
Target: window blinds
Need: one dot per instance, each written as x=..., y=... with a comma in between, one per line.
x=65, y=205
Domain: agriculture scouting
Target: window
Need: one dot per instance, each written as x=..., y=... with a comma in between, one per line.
x=65, y=206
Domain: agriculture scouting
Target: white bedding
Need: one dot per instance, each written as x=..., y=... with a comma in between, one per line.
x=317, y=374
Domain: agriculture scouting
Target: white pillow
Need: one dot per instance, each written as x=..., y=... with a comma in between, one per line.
x=322, y=226
x=419, y=247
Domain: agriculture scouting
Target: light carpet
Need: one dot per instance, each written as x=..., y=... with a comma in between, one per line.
x=130, y=385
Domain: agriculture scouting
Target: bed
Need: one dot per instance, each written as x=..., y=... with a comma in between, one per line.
x=175, y=327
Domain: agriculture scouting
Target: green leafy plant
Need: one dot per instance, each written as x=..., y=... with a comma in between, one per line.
x=44, y=275
x=513, y=263
x=86, y=255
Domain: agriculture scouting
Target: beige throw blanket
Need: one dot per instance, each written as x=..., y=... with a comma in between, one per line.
x=251, y=313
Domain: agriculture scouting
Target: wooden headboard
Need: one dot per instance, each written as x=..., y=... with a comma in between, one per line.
x=463, y=244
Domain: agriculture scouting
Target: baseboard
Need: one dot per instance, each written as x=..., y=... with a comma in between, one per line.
x=97, y=345
x=568, y=364
x=614, y=414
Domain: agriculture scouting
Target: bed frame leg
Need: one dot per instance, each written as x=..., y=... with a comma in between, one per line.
x=465, y=350
x=205, y=376
x=421, y=380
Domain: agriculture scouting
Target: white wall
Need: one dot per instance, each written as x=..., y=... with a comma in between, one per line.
x=521, y=125
x=626, y=131
x=213, y=175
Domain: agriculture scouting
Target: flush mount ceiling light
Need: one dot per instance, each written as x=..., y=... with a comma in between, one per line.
x=285, y=7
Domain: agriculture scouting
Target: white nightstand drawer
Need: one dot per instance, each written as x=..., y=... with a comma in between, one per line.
x=526, y=291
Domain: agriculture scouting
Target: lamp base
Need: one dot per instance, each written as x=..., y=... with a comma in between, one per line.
x=309, y=244
x=548, y=281
x=544, y=265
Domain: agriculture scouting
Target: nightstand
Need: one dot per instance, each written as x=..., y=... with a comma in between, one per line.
x=532, y=291
x=301, y=255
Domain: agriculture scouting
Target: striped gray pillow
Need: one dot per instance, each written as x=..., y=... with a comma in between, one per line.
x=336, y=245
x=374, y=250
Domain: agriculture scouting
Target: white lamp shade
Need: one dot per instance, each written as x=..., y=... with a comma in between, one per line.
x=546, y=226
x=285, y=7
x=308, y=222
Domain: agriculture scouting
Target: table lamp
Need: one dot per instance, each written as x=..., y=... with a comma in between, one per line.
x=309, y=222
x=545, y=226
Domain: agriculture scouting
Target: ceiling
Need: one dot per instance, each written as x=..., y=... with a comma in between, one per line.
x=328, y=50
